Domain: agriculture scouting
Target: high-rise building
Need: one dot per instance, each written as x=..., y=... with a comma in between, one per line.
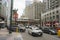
x=29, y=11
x=54, y=4
x=5, y=6
x=34, y=10
x=28, y=2
x=5, y=10
x=52, y=14
x=51, y=4
x=45, y=5
x=0, y=9
x=35, y=0
x=38, y=9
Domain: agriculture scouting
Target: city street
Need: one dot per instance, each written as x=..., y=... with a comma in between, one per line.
x=30, y=16
x=26, y=36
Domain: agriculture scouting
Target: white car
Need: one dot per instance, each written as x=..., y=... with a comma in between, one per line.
x=35, y=31
x=21, y=28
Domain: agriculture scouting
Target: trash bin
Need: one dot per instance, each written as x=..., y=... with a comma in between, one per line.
x=58, y=33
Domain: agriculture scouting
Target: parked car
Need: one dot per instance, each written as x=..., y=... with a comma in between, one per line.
x=41, y=28
x=22, y=28
x=50, y=30
x=34, y=31
x=14, y=27
x=27, y=27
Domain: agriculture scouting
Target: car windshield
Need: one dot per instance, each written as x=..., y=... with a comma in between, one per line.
x=51, y=28
x=14, y=26
x=22, y=25
x=36, y=28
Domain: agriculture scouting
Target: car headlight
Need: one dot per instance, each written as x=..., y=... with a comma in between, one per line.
x=33, y=31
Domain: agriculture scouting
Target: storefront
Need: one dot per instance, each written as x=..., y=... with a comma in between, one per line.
x=48, y=24
x=52, y=24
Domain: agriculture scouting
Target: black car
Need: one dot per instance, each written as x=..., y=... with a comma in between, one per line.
x=50, y=31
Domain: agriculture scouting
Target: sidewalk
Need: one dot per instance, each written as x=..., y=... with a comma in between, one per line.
x=4, y=35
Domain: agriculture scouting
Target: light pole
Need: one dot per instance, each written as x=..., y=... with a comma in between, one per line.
x=40, y=20
x=11, y=17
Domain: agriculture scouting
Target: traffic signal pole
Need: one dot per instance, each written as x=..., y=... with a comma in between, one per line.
x=11, y=17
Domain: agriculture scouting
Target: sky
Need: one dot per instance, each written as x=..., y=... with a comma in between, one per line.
x=20, y=5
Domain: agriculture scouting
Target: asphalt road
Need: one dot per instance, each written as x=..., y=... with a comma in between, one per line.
x=26, y=36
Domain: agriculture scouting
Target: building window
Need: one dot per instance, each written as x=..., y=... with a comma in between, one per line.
x=57, y=11
x=50, y=17
x=50, y=13
x=47, y=14
x=53, y=17
x=52, y=7
x=57, y=16
x=57, y=6
x=0, y=3
x=53, y=12
x=45, y=19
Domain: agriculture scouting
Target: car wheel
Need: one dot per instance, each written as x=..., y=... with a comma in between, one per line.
x=20, y=30
x=50, y=33
x=41, y=34
x=28, y=32
x=32, y=34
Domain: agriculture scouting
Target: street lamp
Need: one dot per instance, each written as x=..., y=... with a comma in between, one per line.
x=11, y=17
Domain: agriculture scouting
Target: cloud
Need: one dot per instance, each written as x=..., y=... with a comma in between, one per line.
x=20, y=5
